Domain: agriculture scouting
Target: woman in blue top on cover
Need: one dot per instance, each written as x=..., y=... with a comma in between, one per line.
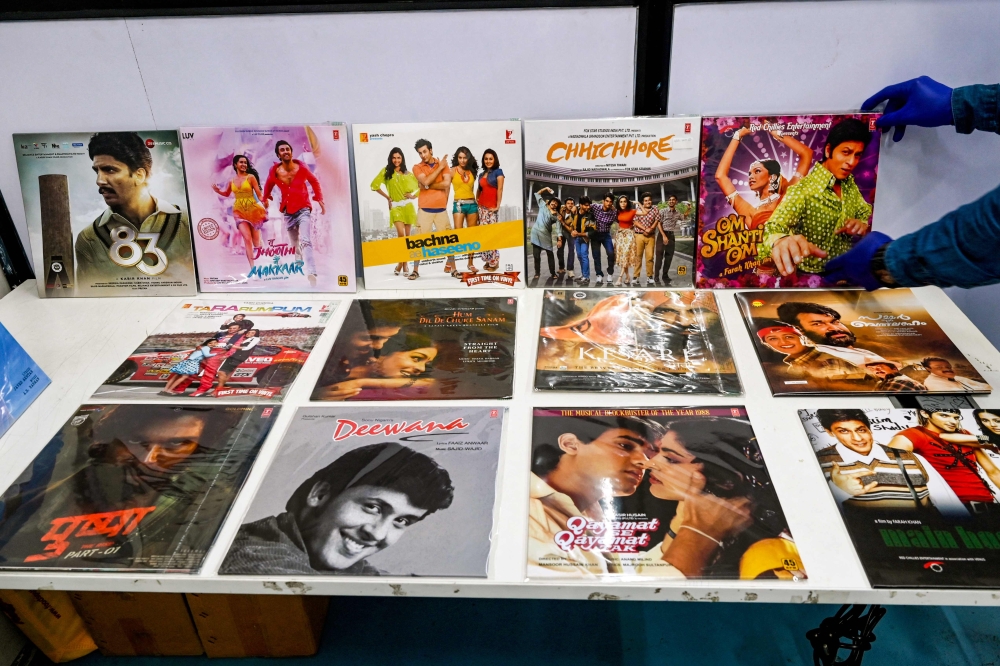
x=190, y=366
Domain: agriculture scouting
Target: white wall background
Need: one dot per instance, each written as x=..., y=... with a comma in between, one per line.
x=376, y=67
x=831, y=56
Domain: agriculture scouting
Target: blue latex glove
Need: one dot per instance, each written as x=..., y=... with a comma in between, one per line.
x=854, y=266
x=922, y=102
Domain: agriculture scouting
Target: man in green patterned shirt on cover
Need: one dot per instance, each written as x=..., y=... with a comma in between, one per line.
x=818, y=216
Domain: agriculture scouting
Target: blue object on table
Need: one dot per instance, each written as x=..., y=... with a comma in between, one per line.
x=21, y=380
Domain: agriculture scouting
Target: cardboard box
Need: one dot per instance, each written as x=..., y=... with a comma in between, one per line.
x=49, y=620
x=125, y=624
x=248, y=625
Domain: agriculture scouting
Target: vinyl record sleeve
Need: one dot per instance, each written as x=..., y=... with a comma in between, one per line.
x=845, y=341
x=303, y=241
x=237, y=350
x=403, y=221
x=626, y=157
x=766, y=177
x=623, y=494
x=21, y=380
x=422, y=349
x=401, y=491
x=141, y=488
x=917, y=491
x=113, y=225
x=634, y=341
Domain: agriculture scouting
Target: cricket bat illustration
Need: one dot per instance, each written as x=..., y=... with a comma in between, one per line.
x=57, y=235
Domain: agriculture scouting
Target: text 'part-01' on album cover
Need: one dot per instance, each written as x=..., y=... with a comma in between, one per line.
x=238, y=350
x=422, y=349
x=271, y=207
x=611, y=199
x=401, y=491
x=131, y=487
x=917, y=490
x=852, y=341
x=641, y=341
x=440, y=204
x=772, y=182
x=106, y=213
x=651, y=493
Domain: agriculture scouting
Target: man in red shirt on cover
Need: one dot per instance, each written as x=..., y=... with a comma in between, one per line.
x=957, y=454
x=291, y=176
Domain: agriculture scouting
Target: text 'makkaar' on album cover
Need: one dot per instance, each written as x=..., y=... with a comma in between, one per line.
x=422, y=349
x=440, y=204
x=633, y=494
x=131, y=487
x=917, y=489
x=641, y=341
x=376, y=492
x=850, y=341
x=778, y=187
x=240, y=350
x=611, y=198
x=271, y=207
x=107, y=213
x=21, y=380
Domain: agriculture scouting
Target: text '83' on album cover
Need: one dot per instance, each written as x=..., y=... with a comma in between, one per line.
x=131, y=487
x=422, y=349
x=376, y=492
x=271, y=207
x=106, y=213
x=783, y=195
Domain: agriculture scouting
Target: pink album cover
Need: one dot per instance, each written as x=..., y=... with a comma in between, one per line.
x=271, y=207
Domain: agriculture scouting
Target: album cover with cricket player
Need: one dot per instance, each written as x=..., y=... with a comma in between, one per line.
x=107, y=213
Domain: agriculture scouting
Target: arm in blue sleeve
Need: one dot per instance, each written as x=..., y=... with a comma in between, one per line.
x=976, y=108
x=961, y=249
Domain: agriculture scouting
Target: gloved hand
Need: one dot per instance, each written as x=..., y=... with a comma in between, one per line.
x=855, y=264
x=922, y=102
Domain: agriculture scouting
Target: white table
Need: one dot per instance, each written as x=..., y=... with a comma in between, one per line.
x=79, y=342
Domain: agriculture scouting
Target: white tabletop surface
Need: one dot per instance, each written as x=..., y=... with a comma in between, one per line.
x=79, y=342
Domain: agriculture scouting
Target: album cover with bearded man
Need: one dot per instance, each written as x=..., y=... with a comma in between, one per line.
x=141, y=488
x=828, y=342
x=635, y=341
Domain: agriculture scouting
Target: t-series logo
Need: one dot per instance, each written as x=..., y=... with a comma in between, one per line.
x=436, y=246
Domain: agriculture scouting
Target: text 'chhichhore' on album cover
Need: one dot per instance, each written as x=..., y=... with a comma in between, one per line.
x=272, y=207
x=239, y=350
x=783, y=195
x=642, y=341
x=106, y=213
x=422, y=349
x=611, y=201
x=363, y=492
x=917, y=489
x=131, y=487
x=634, y=494
x=847, y=341
x=440, y=204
